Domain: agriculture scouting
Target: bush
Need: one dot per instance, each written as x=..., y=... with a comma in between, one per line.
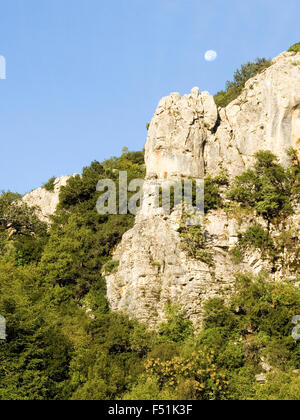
x=255, y=325
x=50, y=185
x=192, y=377
x=268, y=188
x=295, y=48
x=280, y=387
x=256, y=237
x=194, y=243
x=111, y=267
x=212, y=192
x=178, y=327
x=235, y=88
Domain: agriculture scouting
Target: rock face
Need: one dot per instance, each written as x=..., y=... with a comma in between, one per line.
x=45, y=201
x=155, y=271
x=177, y=133
x=190, y=137
x=264, y=117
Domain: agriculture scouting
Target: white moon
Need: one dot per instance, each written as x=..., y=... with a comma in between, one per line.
x=210, y=55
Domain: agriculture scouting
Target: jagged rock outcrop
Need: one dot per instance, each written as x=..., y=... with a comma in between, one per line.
x=190, y=137
x=177, y=133
x=45, y=201
x=264, y=117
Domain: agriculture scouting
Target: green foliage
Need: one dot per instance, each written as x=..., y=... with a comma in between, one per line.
x=35, y=357
x=48, y=305
x=268, y=188
x=281, y=386
x=271, y=191
x=23, y=236
x=294, y=173
x=178, y=327
x=194, y=241
x=111, y=266
x=213, y=188
x=213, y=191
x=254, y=325
x=295, y=48
x=63, y=342
x=50, y=185
x=241, y=76
x=256, y=237
x=193, y=377
x=81, y=241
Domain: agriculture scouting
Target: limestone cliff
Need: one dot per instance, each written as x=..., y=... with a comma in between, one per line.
x=190, y=137
x=45, y=201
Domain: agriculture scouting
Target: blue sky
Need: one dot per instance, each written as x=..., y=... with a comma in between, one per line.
x=84, y=76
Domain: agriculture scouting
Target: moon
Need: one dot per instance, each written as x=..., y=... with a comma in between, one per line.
x=210, y=55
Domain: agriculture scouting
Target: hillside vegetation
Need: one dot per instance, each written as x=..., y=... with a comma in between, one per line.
x=64, y=343
x=234, y=88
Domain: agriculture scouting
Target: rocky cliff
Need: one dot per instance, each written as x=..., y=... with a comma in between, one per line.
x=45, y=201
x=190, y=137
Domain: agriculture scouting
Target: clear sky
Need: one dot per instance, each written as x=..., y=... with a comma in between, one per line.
x=85, y=76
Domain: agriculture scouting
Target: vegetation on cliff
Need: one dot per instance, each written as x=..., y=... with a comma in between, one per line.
x=64, y=343
x=241, y=76
x=50, y=184
x=295, y=48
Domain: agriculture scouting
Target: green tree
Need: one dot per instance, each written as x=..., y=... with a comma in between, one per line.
x=178, y=328
x=22, y=234
x=35, y=356
x=267, y=188
x=295, y=48
x=241, y=76
x=50, y=185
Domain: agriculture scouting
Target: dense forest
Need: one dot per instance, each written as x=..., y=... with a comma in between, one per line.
x=64, y=343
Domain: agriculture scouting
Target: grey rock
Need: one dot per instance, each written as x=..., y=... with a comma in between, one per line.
x=190, y=137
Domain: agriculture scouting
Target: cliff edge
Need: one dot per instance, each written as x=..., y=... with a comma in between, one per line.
x=190, y=137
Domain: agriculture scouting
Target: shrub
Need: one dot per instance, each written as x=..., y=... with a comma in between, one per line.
x=235, y=88
x=111, y=267
x=281, y=386
x=256, y=237
x=50, y=185
x=192, y=377
x=178, y=327
x=194, y=243
x=295, y=48
x=267, y=188
x=212, y=192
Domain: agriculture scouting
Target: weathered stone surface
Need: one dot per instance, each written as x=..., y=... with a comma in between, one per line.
x=189, y=137
x=265, y=117
x=45, y=201
x=177, y=133
x=155, y=271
